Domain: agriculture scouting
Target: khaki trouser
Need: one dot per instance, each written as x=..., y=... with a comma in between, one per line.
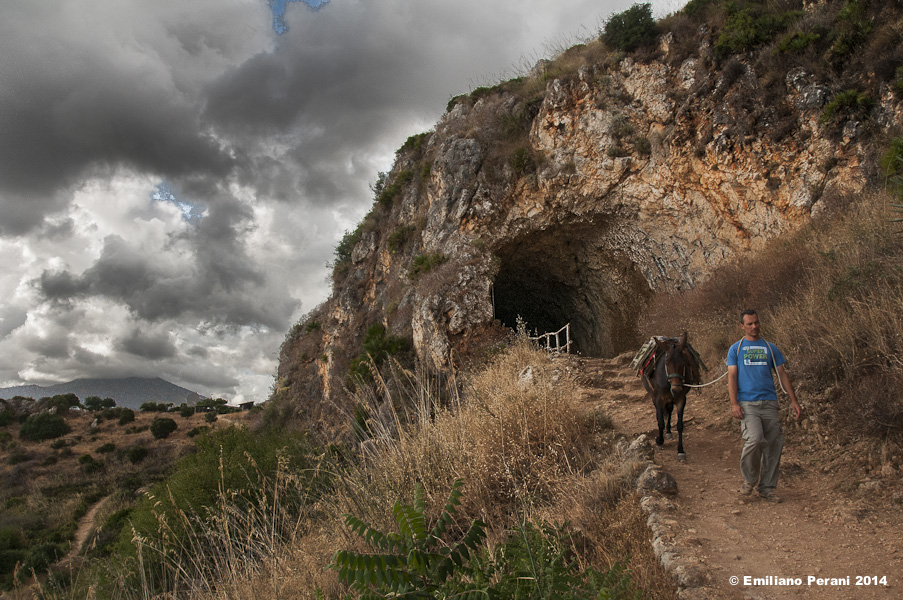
x=761, y=456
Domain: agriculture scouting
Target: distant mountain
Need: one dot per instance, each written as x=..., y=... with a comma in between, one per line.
x=130, y=392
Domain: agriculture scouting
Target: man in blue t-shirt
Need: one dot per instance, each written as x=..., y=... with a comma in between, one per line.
x=754, y=401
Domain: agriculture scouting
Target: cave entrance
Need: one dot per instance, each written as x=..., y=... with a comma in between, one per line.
x=571, y=274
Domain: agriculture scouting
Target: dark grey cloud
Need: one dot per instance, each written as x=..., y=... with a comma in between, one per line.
x=209, y=275
x=154, y=345
x=82, y=95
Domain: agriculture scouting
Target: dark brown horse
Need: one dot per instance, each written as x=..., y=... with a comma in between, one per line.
x=670, y=368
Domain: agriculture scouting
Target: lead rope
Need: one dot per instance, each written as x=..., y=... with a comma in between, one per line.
x=706, y=384
x=781, y=383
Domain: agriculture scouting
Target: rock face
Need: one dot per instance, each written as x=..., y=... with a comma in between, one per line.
x=571, y=199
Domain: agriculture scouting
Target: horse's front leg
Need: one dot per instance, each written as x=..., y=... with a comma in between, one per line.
x=660, y=417
x=681, y=455
x=669, y=408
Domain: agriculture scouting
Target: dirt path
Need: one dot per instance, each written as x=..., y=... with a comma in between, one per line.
x=85, y=527
x=816, y=531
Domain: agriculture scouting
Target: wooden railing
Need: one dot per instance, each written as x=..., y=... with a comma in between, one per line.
x=552, y=341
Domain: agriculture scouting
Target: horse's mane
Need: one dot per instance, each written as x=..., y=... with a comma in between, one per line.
x=690, y=354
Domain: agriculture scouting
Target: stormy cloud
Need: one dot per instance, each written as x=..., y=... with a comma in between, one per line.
x=174, y=176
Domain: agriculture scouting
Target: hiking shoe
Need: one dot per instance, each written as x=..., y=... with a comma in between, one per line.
x=747, y=488
x=771, y=497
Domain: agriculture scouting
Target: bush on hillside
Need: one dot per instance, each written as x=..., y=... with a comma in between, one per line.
x=162, y=427
x=377, y=346
x=136, y=454
x=155, y=406
x=751, y=26
x=95, y=403
x=63, y=402
x=126, y=415
x=43, y=426
x=630, y=29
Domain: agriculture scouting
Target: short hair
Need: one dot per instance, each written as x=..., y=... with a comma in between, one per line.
x=748, y=311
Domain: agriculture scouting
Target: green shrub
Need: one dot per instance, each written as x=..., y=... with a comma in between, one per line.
x=643, y=146
x=848, y=103
x=414, y=142
x=94, y=403
x=162, y=427
x=126, y=415
x=19, y=456
x=312, y=326
x=43, y=426
x=423, y=263
x=6, y=417
x=419, y=562
x=198, y=431
x=523, y=162
x=89, y=464
x=749, y=27
x=107, y=448
x=186, y=411
x=378, y=346
x=136, y=454
x=628, y=30
x=416, y=561
x=852, y=28
x=346, y=246
x=387, y=196
x=799, y=41
x=892, y=160
x=210, y=417
x=64, y=402
x=155, y=406
x=399, y=237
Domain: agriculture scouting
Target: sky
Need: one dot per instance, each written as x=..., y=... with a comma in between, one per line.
x=174, y=176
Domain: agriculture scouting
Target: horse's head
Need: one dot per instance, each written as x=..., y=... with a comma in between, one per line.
x=678, y=366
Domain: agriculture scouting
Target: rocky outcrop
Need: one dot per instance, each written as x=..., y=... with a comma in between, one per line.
x=572, y=199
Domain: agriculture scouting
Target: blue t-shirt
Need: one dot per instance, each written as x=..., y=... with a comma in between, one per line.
x=754, y=362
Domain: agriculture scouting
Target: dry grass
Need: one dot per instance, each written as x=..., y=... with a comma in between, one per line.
x=513, y=437
x=512, y=431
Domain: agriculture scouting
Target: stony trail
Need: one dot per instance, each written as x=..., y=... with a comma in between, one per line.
x=816, y=531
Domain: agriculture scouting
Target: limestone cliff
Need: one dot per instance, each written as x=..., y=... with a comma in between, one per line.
x=573, y=194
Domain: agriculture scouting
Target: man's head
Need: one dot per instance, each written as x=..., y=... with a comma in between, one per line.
x=749, y=322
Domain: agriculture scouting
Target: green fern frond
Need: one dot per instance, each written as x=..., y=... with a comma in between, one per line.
x=451, y=507
x=411, y=524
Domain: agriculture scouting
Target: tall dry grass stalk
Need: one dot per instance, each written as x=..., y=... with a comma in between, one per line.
x=512, y=434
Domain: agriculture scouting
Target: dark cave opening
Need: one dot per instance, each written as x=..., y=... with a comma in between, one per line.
x=571, y=274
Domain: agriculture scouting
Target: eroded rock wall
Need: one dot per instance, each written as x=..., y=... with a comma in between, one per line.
x=573, y=200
